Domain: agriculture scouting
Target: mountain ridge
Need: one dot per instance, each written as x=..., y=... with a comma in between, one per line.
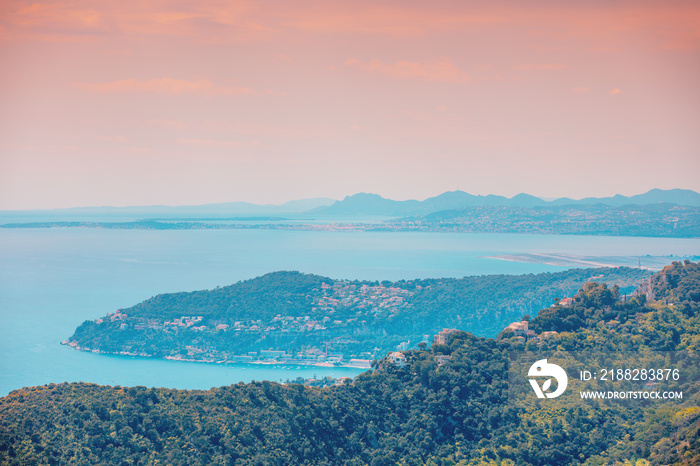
x=358, y=204
x=374, y=204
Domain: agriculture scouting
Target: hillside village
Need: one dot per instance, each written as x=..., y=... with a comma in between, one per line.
x=340, y=307
x=294, y=318
x=368, y=301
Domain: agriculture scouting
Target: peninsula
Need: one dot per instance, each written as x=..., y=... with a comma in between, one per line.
x=295, y=318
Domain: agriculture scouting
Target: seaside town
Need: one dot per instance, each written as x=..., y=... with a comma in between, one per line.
x=334, y=331
x=339, y=312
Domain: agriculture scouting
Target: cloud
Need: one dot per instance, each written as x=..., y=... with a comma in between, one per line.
x=52, y=21
x=581, y=90
x=614, y=91
x=168, y=86
x=661, y=25
x=437, y=71
x=401, y=19
x=86, y=20
x=222, y=21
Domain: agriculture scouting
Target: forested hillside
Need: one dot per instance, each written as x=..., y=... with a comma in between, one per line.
x=309, y=317
x=413, y=414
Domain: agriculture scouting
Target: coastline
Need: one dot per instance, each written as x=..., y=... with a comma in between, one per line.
x=567, y=260
x=267, y=362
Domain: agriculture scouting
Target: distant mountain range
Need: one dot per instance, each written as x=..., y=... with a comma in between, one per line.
x=357, y=205
x=374, y=204
x=301, y=205
x=225, y=210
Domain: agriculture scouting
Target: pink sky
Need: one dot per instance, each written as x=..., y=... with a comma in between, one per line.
x=162, y=102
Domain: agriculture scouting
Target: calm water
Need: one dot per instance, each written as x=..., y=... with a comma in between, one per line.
x=51, y=280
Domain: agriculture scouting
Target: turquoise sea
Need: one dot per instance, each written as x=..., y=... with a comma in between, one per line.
x=51, y=280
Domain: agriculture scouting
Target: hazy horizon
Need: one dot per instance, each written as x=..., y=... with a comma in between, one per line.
x=190, y=103
x=548, y=199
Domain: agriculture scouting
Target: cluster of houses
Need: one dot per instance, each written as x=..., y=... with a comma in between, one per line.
x=310, y=356
x=522, y=332
x=359, y=301
x=315, y=355
x=183, y=322
x=377, y=299
x=116, y=315
x=521, y=329
x=398, y=358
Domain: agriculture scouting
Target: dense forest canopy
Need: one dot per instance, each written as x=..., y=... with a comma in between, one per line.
x=447, y=405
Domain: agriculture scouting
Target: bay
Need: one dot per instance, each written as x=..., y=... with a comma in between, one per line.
x=51, y=280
